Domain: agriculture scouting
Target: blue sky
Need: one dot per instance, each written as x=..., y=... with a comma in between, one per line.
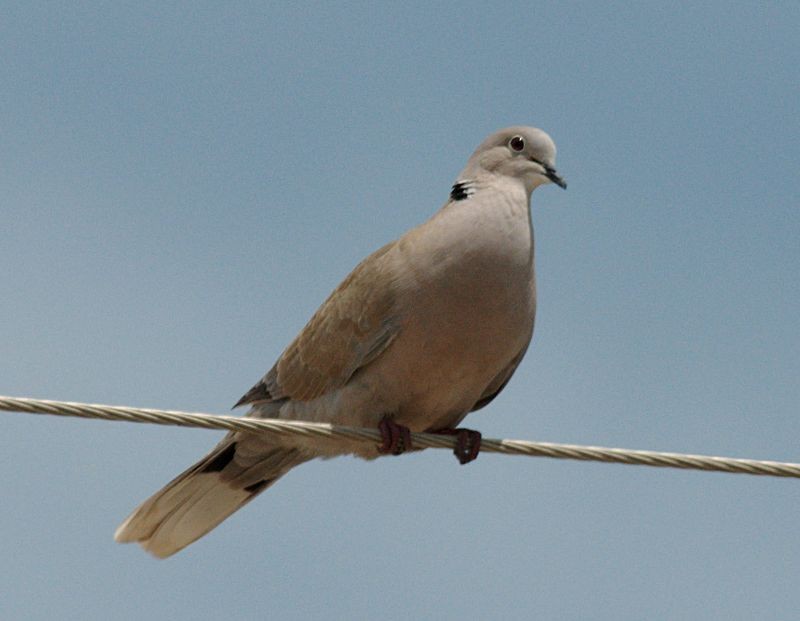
x=181, y=186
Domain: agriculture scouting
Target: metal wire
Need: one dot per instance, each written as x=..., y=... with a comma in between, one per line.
x=332, y=433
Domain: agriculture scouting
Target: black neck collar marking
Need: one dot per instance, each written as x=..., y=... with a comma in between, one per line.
x=462, y=190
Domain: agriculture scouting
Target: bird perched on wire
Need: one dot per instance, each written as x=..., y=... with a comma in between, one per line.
x=422, y=332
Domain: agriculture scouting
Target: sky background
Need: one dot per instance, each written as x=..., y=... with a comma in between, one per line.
x=181, y=186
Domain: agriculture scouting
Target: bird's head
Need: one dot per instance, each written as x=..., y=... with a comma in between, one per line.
x=524, y=153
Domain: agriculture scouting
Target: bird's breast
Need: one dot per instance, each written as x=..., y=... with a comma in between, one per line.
x=466, y=313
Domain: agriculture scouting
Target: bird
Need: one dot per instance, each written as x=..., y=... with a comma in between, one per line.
x=423, y=331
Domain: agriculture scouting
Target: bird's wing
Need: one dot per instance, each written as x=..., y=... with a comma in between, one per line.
x=499, y=382
x=352, y=327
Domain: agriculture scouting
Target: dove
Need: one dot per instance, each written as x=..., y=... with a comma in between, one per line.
x=425, y=330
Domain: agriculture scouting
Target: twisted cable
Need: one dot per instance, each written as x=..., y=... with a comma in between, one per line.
x=332, y=433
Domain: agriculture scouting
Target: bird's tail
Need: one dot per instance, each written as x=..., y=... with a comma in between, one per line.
x=197, y=500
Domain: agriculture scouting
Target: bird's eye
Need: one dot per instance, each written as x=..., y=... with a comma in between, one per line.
x=517, y=143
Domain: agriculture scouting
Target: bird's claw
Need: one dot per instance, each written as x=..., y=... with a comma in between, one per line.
x=468, y=443
x=396, y=439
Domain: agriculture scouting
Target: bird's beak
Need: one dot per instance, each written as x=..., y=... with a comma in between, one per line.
x=551, y=174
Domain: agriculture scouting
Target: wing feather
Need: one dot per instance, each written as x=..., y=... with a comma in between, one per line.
x=499, y=382
x=353, y=326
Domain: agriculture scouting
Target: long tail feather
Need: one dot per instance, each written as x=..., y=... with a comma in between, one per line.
x=200, y=498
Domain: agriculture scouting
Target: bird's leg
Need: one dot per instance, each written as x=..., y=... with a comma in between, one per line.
x=468, y=443
x=396, y=439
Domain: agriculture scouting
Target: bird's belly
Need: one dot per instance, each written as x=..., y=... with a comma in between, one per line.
x=464, y=312
x=440, y=363
x=444, y=361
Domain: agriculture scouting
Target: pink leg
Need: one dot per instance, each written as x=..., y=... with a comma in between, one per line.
x=396, y=439
x=468, y=443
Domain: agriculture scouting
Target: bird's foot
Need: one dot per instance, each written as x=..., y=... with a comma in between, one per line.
x=396, y=439
x=468, y=443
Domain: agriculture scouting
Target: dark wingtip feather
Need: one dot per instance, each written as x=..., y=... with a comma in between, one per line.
x=221, y=460
x=258, y=487
x=258, y=392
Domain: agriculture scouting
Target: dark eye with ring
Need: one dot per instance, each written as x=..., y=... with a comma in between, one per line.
x=517, y=143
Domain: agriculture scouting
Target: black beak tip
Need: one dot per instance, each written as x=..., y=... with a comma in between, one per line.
x=553, y=176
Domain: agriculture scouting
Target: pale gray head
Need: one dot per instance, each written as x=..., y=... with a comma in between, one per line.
x=520, y=152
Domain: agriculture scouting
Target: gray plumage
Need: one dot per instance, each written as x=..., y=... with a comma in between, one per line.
x=425, y=330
